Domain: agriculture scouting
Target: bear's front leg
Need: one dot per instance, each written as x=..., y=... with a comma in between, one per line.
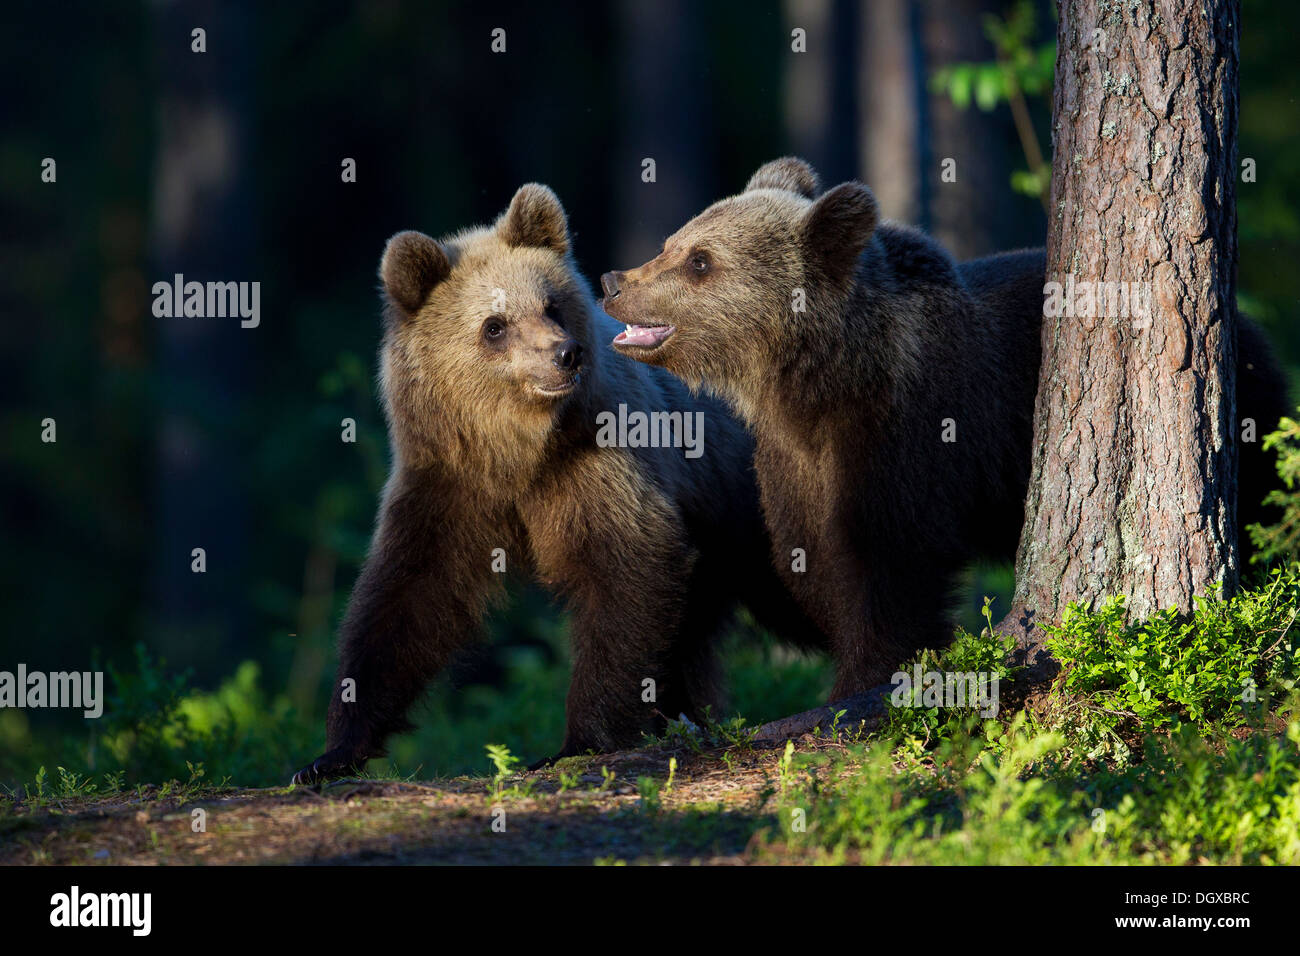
x=618, y=679
x=898, y=616
x=418, y=600
x=609, y=540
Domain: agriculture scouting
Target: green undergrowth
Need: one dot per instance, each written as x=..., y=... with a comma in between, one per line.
x=1174, y=739
x=1171, y=740
x=1016, y=794
x=1221, y=667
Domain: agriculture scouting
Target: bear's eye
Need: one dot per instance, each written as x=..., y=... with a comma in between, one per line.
x=552, y=312
x=493, y=329
x=700, y=263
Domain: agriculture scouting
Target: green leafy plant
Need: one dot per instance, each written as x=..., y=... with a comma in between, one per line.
x=649, y=791
x=504, y=764
x=733, y=732
x=785, y=767
x=1208, y=667
x=1020, y=70
x=1029, y=801
x=917, y=727
x=1281, y=540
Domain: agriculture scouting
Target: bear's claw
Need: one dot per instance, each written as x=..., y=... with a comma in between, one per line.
x=328, y=766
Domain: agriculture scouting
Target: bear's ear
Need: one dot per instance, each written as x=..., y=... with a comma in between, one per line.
x=837, y=227
x=788, y=173
x=535, y=218
x=412, y=265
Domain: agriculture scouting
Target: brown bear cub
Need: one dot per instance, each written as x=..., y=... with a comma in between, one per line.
x=497, y=381
x=891, y=392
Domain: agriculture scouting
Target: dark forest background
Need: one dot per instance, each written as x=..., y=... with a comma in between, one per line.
x=183, y=433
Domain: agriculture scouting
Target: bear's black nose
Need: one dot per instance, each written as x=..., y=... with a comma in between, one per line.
x=568, y=356
x=609, y=282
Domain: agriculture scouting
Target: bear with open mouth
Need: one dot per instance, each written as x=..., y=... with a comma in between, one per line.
x=891, y=391
x=496, y=375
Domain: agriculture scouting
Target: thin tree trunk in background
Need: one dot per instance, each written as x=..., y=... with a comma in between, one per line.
x=893, y=133
x=905, y=132
x=201, y=229
x=663, y=118
x=820, y=108
x=970, y=216
x=1134, y=456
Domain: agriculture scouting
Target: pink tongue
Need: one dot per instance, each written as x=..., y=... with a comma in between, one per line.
x=643, y=334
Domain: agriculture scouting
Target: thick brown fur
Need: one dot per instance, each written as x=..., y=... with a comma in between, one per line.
x=493, y=422
x=849, y=397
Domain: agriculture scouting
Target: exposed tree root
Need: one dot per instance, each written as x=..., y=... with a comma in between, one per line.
x=866, y=711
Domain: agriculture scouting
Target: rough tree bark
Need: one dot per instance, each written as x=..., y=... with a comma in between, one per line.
x=1134, y=455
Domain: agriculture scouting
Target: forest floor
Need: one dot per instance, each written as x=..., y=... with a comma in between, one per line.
x=1137, y=744
x=994, y=794
x=582, y=811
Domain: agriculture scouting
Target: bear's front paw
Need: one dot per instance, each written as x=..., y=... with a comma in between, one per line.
x=335, y=763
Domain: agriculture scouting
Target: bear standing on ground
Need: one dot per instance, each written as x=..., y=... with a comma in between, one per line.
x=890, y=389
x=496, y=376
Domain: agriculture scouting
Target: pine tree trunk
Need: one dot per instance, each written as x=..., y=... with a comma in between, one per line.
x=1134, y=457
